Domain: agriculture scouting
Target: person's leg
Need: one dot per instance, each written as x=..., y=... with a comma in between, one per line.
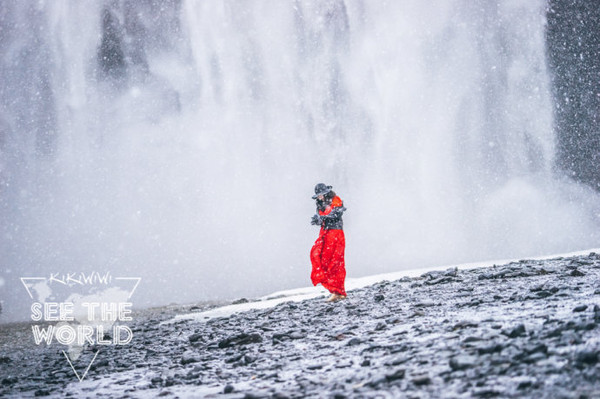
x=317, y=275
x=338, y=265
x=332, y=262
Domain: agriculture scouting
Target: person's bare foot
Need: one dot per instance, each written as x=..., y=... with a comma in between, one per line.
x=332, y=298
x=336, y=297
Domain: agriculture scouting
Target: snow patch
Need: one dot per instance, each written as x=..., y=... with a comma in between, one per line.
x=301, y=294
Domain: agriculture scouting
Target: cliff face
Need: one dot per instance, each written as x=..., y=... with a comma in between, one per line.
x=526, y=329
x=573, y=41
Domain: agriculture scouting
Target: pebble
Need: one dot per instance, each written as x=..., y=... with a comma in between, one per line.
x=189, y=357
x=580, y=308
x=587, y=356
x=462, y=362
x=228, y=388
x=515, y=332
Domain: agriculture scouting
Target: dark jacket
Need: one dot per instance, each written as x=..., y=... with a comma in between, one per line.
x=331, y=215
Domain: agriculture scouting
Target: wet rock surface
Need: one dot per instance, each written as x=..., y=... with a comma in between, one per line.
x=525, y=329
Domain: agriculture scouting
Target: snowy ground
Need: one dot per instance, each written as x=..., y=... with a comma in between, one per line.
x=520, y=329
x=300, y=294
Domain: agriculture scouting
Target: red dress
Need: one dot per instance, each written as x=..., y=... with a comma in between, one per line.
x=327, y=256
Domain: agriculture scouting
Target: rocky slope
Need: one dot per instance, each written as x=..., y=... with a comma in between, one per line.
x=526, y=329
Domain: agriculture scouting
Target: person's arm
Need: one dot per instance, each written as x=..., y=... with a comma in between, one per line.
x=316, y=219
x=335, y=214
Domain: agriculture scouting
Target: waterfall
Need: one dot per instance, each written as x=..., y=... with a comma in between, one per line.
x=180, y=141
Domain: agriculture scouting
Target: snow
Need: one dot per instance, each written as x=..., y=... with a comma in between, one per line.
x=139, y=380
x=300, y=294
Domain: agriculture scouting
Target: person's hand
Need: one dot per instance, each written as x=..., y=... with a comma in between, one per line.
x=316, y=219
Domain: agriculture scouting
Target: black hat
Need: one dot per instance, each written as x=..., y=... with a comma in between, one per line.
x=321, y=189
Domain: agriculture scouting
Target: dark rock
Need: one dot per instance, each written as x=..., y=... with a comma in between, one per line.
x=281, y=336
x=493, y=348
x=5, y=360
x=396, y=361
x=249, y=359
x=195, y=337
x=421, y=380
x=472, y=339
x=580, y=308
x=576, y=273
x=432, y=274
x=464, y=324
x=314, y=367
x=524, y=385
x=515, y=332
x=486, y=393
x=192, y=375
x=585, y=326
x=397, y=348
x=234, y=358
x=396, y=375
x=462, y=362
x=354, y=341
x=380, y=326
x=424, y=304
x=556, y=332
x=99, y=364
x=42, y=392
x=474, y=303
x=544, y=294
x=537, y=348
x=379, y=298
x=228, y=388
x=441, y=280
x=189, y=357
x=241, y=300
x=9, y=380
x=240, y=339
x=586, y=356
x=170, y=381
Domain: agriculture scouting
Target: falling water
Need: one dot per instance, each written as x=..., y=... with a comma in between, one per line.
x=180, y=141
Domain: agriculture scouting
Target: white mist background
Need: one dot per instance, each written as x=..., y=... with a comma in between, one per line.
x=195, y=171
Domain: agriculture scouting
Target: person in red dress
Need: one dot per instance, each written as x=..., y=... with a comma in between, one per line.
x=327, y=254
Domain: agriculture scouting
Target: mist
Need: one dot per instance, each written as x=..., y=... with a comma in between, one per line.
x=180, y=141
